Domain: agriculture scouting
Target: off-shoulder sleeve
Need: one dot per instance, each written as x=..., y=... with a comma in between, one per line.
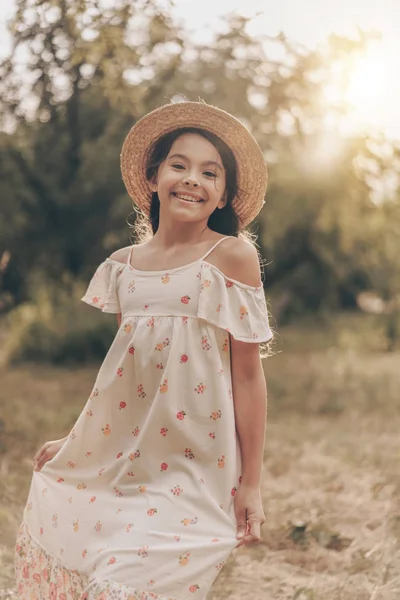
x=102, y=291
x=236, y=307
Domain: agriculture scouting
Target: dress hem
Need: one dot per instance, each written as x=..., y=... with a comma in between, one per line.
x=39, y=574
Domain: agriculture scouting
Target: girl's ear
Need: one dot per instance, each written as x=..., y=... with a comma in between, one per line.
x=223, y=201
x=153, y=185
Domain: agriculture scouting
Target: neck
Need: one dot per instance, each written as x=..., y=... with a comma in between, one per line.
x=183, y=233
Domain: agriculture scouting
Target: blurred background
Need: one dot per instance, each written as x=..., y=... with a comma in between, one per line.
x=317, y=84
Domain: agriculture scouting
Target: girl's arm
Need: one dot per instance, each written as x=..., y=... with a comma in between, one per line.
x=250, y=403
x=239, y=260
x=119, y=320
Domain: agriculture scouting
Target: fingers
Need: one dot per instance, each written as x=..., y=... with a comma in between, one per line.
x=242, y=531
x=40, y=458
x=253, y=533
x=250, y=531
x=241, y=521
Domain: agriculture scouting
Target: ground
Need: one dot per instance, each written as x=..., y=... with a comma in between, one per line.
x=331, y=482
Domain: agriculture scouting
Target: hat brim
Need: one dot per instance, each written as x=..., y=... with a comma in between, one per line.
x=251, y=167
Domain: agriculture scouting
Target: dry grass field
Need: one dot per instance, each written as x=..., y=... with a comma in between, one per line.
x=331, y=482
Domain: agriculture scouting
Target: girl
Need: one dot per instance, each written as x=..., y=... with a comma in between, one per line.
x=159, y=479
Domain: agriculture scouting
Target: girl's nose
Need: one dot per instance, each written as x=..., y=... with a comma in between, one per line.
x=191, y=181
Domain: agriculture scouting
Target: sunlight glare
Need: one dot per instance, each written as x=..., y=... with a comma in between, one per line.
x=370, y=83
x=369, y=93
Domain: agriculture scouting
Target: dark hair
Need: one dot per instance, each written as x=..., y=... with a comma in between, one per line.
x=223, y=220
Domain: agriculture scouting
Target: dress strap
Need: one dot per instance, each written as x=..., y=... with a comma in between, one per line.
x=129, y=259
x=214, y=246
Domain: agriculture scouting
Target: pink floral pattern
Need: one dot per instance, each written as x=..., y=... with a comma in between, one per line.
x=39, y=575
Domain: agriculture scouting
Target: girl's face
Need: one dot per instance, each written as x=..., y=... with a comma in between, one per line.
x=190, y=182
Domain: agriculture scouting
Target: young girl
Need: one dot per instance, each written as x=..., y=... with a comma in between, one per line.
x=159, y=479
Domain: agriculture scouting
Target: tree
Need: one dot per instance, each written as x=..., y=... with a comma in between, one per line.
x=61, y=157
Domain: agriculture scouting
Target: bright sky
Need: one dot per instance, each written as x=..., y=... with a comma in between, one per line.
x=375, y=90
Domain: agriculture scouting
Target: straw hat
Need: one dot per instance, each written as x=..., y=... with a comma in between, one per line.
x=251, y=167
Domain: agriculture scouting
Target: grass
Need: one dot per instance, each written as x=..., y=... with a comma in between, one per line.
x=331, y=484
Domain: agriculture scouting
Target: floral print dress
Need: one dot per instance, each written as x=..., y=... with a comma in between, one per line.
x=138, y=503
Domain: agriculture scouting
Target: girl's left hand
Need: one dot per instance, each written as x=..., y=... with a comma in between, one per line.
x=249, y=514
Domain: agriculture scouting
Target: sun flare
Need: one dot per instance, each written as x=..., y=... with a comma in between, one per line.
x=370, y=83
x=367, y=91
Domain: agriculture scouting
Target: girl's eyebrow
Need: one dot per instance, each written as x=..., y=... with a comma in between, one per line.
x=207, y=162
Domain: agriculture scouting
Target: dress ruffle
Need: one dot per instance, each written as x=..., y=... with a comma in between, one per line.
x=110, y=590
x=40, y=575
x=102, y=290
x=226, y=303
x=236, y=307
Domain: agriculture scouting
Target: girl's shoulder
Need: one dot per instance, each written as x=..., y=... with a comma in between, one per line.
x=122, y=255
x=237, y=259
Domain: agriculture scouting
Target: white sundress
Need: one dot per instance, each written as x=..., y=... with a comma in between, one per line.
x=138, y=503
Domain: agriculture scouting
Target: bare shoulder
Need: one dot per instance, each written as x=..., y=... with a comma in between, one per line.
x=238, y=259
x=121, y=255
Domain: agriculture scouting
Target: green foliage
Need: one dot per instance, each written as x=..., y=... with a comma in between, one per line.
x=54, y=328
x=42, y=344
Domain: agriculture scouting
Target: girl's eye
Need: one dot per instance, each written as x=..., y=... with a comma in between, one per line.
x=207, y=173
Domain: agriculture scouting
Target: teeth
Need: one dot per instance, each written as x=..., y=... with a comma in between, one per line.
x=188, y=198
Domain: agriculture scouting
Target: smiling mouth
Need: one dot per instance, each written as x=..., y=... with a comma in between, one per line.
x=187, y=198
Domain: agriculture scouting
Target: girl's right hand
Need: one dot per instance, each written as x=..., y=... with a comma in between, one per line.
x=47, y=452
